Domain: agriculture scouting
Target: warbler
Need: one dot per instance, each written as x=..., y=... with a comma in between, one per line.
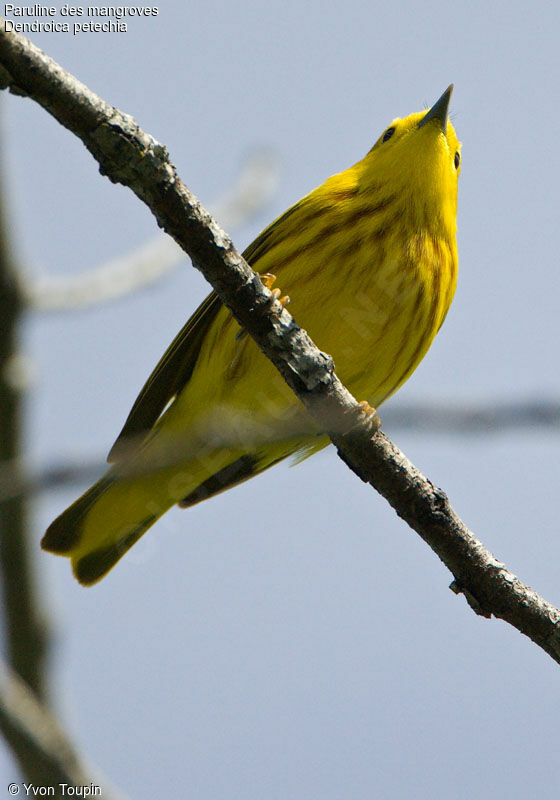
x=370, y=262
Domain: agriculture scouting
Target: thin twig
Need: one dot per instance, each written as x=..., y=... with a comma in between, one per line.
x=129, y=156
x=459, y=418
x=452, y=419
x=150, y=262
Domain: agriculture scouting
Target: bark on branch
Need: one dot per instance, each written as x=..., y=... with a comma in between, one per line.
x=129, y=156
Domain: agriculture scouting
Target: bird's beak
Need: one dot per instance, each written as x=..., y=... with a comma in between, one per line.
x=439, y=110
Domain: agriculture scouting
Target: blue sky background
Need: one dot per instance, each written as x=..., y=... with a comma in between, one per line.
x=293, y=639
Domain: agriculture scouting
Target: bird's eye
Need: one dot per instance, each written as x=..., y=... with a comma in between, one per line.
x=388, y=133
x=457, y=159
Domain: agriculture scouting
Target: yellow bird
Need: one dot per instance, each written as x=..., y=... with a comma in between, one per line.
x=370, y=261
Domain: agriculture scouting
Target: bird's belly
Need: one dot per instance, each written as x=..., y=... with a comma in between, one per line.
x=377, y=328
x=376, y=335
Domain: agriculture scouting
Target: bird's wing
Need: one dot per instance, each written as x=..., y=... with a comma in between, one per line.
x=168, y=378
x=176, y=366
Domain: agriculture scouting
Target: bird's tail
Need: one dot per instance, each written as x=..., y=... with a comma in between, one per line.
x=102, y=524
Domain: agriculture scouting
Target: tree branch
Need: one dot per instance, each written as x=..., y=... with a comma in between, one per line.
x=150, y=262
x=25, y=623
x=452, y=417
x=129, y=156
x=47, y=757
x=44, y=755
